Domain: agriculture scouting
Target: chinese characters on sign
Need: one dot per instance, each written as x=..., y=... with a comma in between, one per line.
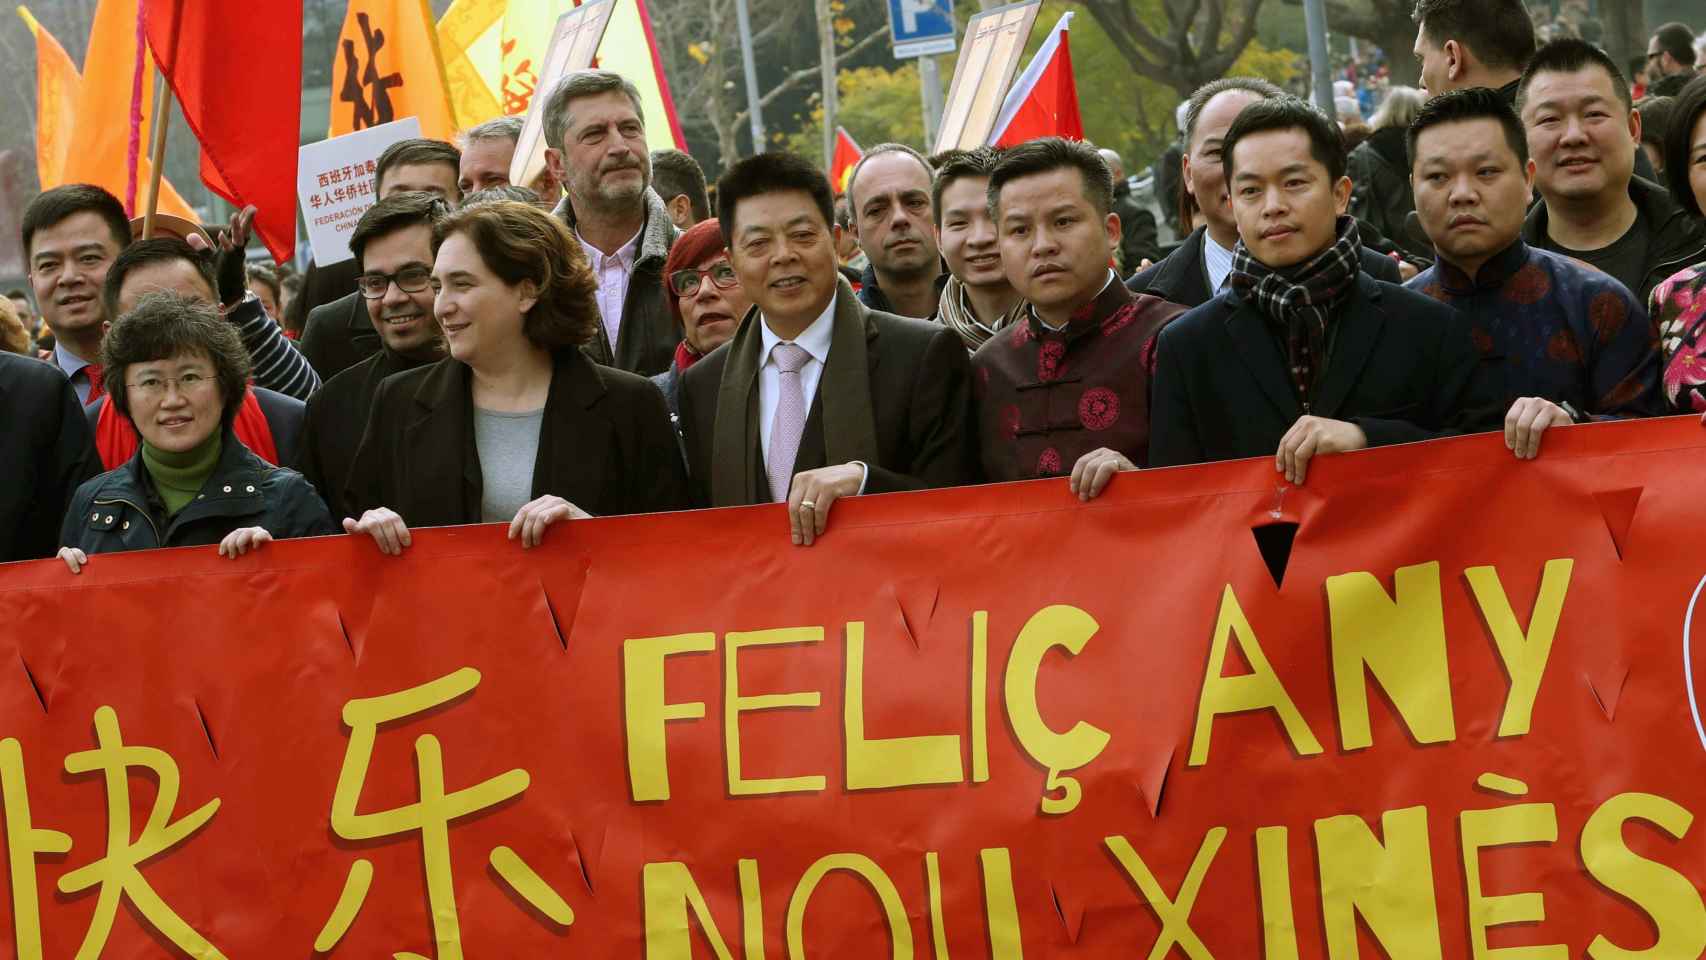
x=335, y=183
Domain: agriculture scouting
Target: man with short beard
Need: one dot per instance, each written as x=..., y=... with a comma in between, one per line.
x=1584, y=136
x=888, y=193
x=392, y=243
x=596, y=136
x=977, y=301
x=1065, y=390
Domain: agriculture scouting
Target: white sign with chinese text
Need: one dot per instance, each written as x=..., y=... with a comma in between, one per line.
x=335, y=184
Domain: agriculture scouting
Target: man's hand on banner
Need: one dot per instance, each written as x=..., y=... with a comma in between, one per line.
x=1090, y=475
x=1526, y=423
x=532, y=519
x=814, y=492
x=385, y=527
x=1310, y=436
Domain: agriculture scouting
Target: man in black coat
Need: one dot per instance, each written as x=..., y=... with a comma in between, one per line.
x=45, y=453
x=817, y=397
x=1197, y=269
x=1304, y=353
x=392, y=243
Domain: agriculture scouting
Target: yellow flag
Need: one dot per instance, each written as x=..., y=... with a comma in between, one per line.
x=100, y=147
x=459, y=31
x=386, y=67
x=57, y=84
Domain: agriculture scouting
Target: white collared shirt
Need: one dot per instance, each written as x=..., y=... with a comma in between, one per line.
x=814, y=340
x=1216, y=262
x=613, y=273
x=73, y=365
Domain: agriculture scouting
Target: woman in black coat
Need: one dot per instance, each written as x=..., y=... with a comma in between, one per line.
x=516, y=425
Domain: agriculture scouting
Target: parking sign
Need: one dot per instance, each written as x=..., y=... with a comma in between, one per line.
x=921, y=27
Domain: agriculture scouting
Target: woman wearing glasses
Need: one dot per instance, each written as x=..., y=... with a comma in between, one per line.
x=705, y=297
x=178, y=371
x=516, y=425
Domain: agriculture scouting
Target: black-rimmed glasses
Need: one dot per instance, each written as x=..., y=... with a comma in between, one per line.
x=411, y=279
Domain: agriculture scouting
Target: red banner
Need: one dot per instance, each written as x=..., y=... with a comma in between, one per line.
x=1456, y=717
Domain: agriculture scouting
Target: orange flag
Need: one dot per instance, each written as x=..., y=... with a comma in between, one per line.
x=387, y=67
x=57, y=83
x=108, y=146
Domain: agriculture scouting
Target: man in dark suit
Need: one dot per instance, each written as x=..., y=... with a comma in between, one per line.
x=817, y=397
x=1304, y=353
x=338, y=334
x=1197, y=269
x=45, y=452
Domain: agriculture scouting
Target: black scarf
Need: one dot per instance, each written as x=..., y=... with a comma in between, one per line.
x=1300, y=300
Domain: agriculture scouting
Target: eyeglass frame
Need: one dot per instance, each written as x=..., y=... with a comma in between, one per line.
x=201, y=382
x=390, y=278
x=699, y=277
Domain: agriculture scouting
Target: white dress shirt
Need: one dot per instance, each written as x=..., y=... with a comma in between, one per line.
x=613, y=273
x=814, y=340
x=1216, y=262
x=73, y=366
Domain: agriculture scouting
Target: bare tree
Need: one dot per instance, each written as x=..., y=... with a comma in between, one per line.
x=1385, y=23
x=1200, y=42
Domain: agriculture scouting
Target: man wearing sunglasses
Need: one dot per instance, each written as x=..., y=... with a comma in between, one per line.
x=705, y=298
x=392, y=243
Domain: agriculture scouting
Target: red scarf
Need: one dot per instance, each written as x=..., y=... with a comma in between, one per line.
x=117, y=442
x=685, y=357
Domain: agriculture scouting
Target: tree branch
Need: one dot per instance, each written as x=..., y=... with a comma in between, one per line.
x=800, y=76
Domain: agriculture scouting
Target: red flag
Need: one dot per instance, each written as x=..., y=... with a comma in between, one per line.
x=239, y=83
x=847, y=154
x=1044, y=100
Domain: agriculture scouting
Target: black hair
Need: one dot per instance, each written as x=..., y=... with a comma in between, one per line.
x=415, y=151
x=1567, y=56
x=163, y=325
x=1326, y=143
x=1255, y=86
x=393, y=213
x=771, y=173
x=675, y=173
x=958, y=164
x=1655, y=119
x=1498, y=32
x=1053, y=153
x=1685, y=113
x=1678, y=41
x=1472, y=103
x=154, y=250
x=53, y=206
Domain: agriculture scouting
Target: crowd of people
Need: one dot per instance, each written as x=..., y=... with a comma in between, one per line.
x=497, y=353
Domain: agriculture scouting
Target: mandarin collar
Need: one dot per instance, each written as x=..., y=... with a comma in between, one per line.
x=1492, y=274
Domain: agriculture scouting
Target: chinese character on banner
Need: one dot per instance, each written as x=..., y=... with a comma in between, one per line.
x=117, y=876
x=362, y=80
x=518, y=86
x=316, y=201
x=325, y=179
x=370, y=166
x=349, y=174
x=429, y=817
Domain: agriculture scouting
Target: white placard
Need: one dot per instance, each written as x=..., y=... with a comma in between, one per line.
x=334, y=184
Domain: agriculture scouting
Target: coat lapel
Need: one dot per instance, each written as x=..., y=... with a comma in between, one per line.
x=1359, y=325
x=574, y=439
x=1255, y=346
x=439, y=442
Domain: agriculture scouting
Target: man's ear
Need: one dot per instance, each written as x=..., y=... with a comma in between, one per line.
x=1635, y=127
x=1455, y=64
x=680, y=208
x=1528, y=170
x=554, y=165
x=1112, y=223
x=1342, y=195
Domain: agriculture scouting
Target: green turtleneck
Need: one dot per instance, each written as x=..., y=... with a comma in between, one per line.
x=178, y=477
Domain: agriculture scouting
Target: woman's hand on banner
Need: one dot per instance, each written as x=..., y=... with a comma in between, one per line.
x=242, y=540
x=385, y=527
x=532, y=519
x=74, y=558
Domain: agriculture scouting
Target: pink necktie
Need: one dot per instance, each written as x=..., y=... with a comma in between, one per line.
x=790, y=419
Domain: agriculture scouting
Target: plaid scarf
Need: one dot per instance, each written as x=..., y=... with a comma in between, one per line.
x=954, y=310
x=1299, y=301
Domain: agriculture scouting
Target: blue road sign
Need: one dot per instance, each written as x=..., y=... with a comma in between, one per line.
x=921, y=27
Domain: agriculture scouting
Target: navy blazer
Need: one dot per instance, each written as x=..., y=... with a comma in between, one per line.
x=1402, y=367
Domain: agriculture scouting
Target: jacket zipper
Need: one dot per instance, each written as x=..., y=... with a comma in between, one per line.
x=144, y=513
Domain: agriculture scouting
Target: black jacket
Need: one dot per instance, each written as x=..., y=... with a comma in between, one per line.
x=1676, y=240
x=1379, y=169
x=46, y=451
x=871, y=293
x=119, y=510
x=284, y=418
x=331, y=425
x=1401, y=366
x=1180, y=277
x=1139, y=238
x=648, y=332
x=605, y=445
x=339, y=335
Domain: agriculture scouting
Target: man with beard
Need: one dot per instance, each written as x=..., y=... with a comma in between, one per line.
x=1584, y=136
x=1305, y=353
x=1670, y=60
x=1572, y=343
x=392, y=243
x=596, y=136
x=888, y=193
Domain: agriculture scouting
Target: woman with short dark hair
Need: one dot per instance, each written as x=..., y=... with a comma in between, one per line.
x=516, y=425
x=1678, y=305
x=178, y=371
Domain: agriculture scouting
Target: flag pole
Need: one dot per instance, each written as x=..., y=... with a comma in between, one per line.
x=157, y=157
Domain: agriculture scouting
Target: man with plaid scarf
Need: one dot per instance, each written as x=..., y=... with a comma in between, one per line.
x=1305, y=354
